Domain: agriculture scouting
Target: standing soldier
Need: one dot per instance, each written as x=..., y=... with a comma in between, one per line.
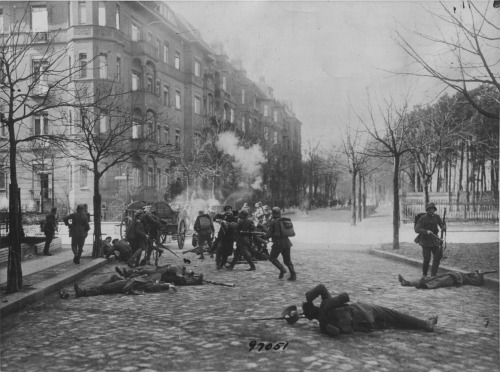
x=205, y=229
x=78, y=230
x=225, y=238
x=281, y=244
x=49, y=230
x=427, y=228
x=241, y=229
x=136, y=236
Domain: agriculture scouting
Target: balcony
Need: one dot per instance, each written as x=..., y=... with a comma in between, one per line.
x=92, y=31
x=143, y=48
x=145, y=98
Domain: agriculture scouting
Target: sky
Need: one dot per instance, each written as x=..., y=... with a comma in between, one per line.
x=323, y=56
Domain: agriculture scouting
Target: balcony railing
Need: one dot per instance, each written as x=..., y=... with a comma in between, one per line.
x=143, y=48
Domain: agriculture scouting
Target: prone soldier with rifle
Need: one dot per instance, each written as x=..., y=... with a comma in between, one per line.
x=427, y=228
x=450, y=279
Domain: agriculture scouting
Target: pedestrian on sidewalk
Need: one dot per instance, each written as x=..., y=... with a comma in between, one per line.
x=78, y=230
x=427, y=228
x=336, y=315
x=281, y=244
x=50, y=228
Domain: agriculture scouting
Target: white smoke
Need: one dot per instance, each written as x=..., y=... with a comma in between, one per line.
x=249, y=160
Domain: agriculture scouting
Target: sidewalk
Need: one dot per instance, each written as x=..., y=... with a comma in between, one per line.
x=43, y=275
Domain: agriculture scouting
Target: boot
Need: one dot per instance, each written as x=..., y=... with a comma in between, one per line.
x=248, y=258
x=276, y=263
x=293, y=275
x=425, y=268
x=431, y=323
x=233, y=262
x=404, y=283
x=79, y=292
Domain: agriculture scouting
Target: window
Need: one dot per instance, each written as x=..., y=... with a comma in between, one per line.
x=231, y=118
x=39, y=18
x=210, y=104
x=118, y=69
x=150, y=172
x=3, y=180
x=177, y=100
x=103, y=123
x=157, y=89
x=136, y=81
x=82, y=13
x=150, y=83
x=243, y=129
x=266, y=110
x=3, y=126
x=166, y=96
x=1, y=20
x=224, y=85
x=40, y=76
x=250, y=125
x=177, y=60
x=157, y=46
x=197, y=139
x=103, y=66
x=266, y=133
x=41, y=124
x=275, y=116
x=243, y=96
x=83, y=176
x=275, y=137
x=177, y=138
x=82, y=58
x=135, y=32
x=117, y=17
x=150, y=126
x=165, y=178
x=165, y=53
x=197, y=68
x=166, y=133
x=158, y=178
x=102, y=13
x=135, y=129
x=197, y=105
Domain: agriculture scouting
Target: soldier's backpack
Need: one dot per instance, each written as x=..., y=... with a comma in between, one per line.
x=205, y=223
x=286, y=227
x=415, y=221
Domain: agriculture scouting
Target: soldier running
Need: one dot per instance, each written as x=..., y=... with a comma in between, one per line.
x=241, y=229
x=281, y=245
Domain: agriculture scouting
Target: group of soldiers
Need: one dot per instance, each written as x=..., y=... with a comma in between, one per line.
x=244, y=228
x=336, y=314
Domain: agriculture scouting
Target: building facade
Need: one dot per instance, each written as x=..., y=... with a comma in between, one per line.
x=179, y=86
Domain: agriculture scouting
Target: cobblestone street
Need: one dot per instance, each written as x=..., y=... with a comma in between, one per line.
x=208, y=327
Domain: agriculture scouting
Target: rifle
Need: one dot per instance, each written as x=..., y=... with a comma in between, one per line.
x=443, y=235
x=219, y=283
x=168, y=249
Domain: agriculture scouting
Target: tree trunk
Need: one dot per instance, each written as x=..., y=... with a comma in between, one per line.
x=364, y=197
x=360, y=204
x=353, y=198
x=14, y=271
x=395, y=213
x=461, y=172
x=97, y=246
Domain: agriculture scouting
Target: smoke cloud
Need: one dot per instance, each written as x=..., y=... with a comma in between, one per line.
x=249, y=160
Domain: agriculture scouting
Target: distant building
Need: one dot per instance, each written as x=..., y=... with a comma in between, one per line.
x=180, y=87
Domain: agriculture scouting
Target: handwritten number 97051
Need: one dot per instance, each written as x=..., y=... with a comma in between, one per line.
x=269, y=346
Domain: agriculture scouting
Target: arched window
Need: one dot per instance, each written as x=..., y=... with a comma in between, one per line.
x=150, y=127
x=136, y=124
x=150, y=171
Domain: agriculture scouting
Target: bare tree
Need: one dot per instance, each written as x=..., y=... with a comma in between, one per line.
x=391, y=141
x=469, y=53
x=110, y=132
x=36, y=82
x=353, y=160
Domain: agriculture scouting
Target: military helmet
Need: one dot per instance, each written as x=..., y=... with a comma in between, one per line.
x=430, y=205
x=276, y=211
x=243, y=214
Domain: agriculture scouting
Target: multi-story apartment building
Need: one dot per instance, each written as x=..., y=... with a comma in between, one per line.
x=179, y=86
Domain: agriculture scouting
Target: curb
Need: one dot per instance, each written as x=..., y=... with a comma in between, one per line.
x=19, y=300
x=488, y=283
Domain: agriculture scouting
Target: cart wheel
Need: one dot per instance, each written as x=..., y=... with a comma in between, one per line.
x=181, y=234
x=124, y=226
